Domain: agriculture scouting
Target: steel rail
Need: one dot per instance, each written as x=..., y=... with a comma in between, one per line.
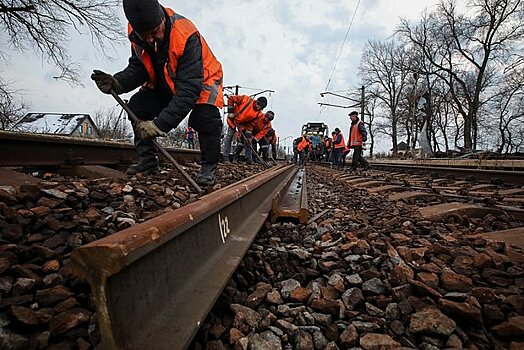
x=155, y=282
x=512, y=177
x=484, y=164
x=291, y=202
x=26, y=149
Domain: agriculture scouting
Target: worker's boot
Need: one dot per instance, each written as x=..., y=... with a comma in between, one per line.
x=206, y=175
x=148, y=162
x=144, y=166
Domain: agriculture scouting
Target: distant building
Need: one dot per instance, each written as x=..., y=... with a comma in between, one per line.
x=402, y=147
x=77, y=125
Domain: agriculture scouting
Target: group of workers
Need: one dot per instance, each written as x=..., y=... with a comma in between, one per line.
x=252, y=128
x=334, y=150
x=179, y=75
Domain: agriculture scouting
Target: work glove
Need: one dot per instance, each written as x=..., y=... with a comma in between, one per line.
x=148, y=130
x=231, y=116
x=106, y=82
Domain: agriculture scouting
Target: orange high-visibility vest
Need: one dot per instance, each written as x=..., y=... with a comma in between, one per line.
x=342, y=144
x=355, y=137
x=303, y=144
x=181, y=29
x=243, y=108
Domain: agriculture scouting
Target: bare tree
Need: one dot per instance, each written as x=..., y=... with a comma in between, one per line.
x=509, y=103
x=382, y=67
x=462, y=47
x=11, y=108
x=112, y=124
x=46, y=26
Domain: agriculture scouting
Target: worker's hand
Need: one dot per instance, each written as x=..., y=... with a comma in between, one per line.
x=148, y=130
x=106, y=82
x=231, y=116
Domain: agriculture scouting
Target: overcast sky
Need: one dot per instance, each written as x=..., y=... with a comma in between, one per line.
x=286, y=46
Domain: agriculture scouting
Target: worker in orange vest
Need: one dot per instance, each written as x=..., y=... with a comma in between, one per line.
x=189, y=136
x=261, y=127
x=327, y=149
x=242, y=112
x=178, y=74
x=357, y=138
x=338, y=147
x=303, y=149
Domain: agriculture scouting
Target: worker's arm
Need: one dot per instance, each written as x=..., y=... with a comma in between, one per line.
x=134, y=75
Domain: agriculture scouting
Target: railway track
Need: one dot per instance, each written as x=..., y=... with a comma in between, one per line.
x=38, y=150
x=374, y=271
x=377, y=238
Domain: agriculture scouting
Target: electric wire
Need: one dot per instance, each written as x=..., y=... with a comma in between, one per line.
x=338, y=55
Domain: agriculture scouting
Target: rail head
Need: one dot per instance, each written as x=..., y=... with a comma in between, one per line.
x=187, y=254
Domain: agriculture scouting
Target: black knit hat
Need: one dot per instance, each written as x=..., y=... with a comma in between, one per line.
x=353, y=113
x=143, y=15
x=262, y=102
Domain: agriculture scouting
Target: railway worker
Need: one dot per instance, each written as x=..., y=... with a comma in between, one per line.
x=303, y=149
x=357, y=138
x=333, y=137
x=178, y=74
x=189, y=136
x=242, y=111
x=272, y=138
x=261, y=127
x=295, y=149
x=327, y=149
x=338, y=147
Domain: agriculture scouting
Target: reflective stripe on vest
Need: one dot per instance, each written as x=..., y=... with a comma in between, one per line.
x=355, y=138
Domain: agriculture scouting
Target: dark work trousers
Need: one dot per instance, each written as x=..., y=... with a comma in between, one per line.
x=264, y=148
x=205, y=119
x=358, y=158
x=337, y=155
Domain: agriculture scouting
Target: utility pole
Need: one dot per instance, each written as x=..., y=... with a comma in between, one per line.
x=362, y=103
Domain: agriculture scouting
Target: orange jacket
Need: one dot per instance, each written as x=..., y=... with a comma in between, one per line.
x=181, y=29
x=244, y=109
x=261, y=126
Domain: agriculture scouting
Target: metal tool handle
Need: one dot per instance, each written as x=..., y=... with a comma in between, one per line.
x=250, y=146
x=161, y=149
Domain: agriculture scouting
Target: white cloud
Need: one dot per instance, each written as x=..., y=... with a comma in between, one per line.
x=289, y=47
